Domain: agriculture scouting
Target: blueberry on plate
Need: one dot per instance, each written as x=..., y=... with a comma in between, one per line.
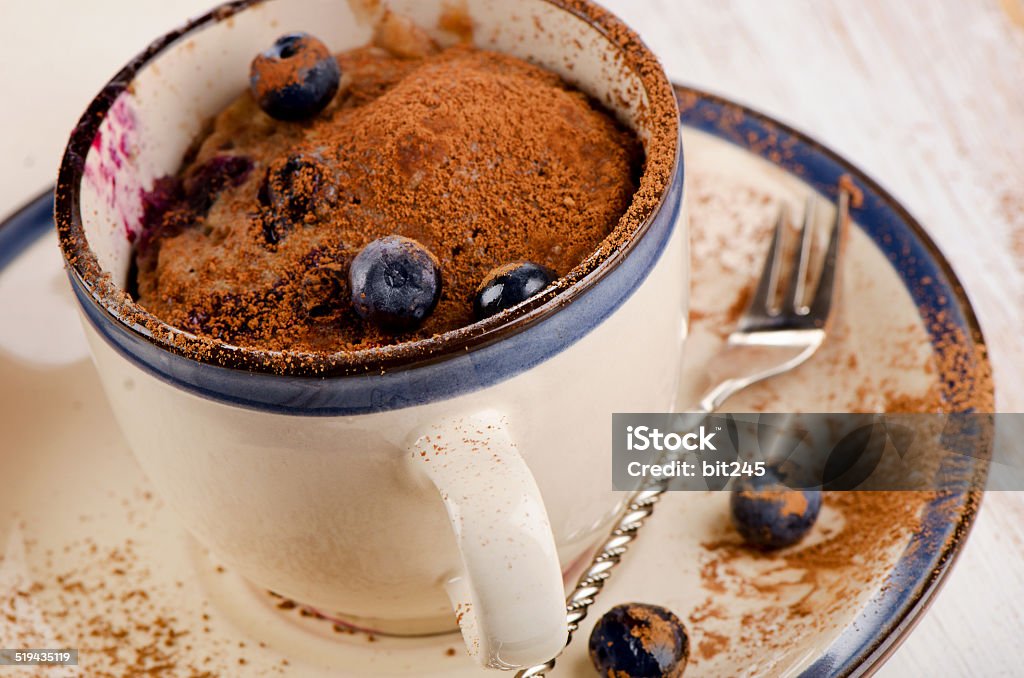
x=508, y=285
x=395, y=283
x=295, y=78
x=636, y=640
x=769, y=514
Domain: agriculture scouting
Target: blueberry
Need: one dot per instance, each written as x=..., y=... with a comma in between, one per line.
x=635, y=640
x=769, y=514
x=508, y=285
x=158, y=205
x=395, y=283
x=288, y=193
x=205, y=182
x=295, y=78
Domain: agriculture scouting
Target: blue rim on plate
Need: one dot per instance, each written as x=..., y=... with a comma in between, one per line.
x=891, y=614
x=944, y=307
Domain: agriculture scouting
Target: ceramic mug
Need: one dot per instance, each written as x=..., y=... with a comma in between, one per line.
x=403, y=488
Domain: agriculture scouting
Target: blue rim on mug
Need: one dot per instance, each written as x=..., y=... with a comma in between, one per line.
x=377, y=379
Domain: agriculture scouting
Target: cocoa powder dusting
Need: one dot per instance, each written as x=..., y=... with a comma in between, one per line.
x=587, y=192
x=754, y=603
x=654, y=631
x=455, y=19
x=712, y=644
x=107, y=599
x=481, y=157
x=790, y=502
x=275, y=74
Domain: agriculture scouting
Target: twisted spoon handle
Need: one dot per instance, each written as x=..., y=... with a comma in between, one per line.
x=633, y=517
x=590, y=583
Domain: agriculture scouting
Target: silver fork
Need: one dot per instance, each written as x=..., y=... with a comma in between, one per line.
x=770, y=338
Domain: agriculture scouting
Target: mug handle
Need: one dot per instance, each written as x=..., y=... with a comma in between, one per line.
x=509, y=598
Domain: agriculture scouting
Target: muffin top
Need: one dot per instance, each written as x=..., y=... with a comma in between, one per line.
x=481, y=158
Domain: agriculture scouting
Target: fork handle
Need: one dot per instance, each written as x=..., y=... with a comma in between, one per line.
x=749, y=364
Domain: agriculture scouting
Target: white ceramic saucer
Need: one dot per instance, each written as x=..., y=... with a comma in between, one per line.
x=91, y=559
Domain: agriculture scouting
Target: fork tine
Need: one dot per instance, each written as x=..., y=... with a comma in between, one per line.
x=763, y=299
x=796, y=291
x=826, y=282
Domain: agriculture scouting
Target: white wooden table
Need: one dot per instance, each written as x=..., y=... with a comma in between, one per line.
x=925, y=95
